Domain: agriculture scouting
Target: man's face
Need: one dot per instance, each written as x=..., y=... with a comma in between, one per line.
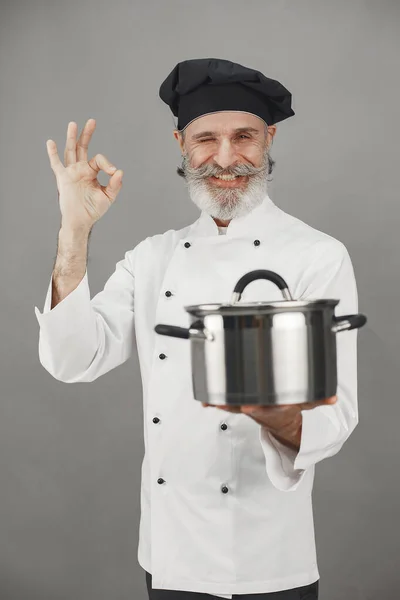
x=229, y=143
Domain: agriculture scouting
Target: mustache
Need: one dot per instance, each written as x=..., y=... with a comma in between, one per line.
x=210, y=170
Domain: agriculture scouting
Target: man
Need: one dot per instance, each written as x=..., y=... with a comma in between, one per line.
x=226, y=506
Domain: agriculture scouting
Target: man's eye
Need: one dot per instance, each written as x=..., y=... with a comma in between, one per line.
x=209, y=139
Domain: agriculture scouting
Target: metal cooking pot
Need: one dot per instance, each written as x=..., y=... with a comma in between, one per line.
x=281, y=352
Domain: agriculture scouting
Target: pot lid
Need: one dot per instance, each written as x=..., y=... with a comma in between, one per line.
x=256, y=308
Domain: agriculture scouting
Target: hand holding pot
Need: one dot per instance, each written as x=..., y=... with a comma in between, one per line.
x=283, y=421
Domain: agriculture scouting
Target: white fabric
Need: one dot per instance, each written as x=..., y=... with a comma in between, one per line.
x=258, y=537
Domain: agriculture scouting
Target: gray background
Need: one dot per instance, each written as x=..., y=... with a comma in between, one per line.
x=70, y=455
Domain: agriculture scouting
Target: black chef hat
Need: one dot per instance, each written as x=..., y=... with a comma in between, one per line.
x=205, y=85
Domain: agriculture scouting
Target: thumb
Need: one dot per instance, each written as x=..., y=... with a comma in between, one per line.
x=114, y=185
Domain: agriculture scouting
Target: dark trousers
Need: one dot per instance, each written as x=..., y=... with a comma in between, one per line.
x=306, y=592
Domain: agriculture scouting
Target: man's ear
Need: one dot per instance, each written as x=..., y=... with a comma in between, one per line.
x=178, y=137
x=271, y=131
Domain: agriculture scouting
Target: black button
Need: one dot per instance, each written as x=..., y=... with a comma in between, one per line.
x=156, y=420
x=161, y=480
x=187, y=245
x=224, y=489
x=257, y=242
x=162, y=356
x=168, y=293
x=224, y=426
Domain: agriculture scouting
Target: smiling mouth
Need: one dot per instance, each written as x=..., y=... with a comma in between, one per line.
x=237, y=181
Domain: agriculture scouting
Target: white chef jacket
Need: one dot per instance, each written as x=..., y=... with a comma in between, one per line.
x=258, y=537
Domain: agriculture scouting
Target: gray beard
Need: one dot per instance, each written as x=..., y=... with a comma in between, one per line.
x=227, y=203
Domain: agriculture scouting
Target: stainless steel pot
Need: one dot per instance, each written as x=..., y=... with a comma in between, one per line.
x=281, y=352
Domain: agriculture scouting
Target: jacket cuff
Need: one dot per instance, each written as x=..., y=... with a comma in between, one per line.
x=280, y=461
x=76, y=305
x=322, y=435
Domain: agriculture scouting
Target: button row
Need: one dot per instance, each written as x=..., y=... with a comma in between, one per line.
x=160, y=480
x=224, y=426
x=256, y=243
x=187, y=245
x=224, y=488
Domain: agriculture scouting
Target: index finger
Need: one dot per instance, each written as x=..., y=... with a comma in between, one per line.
x=55, y=161
x=84, y=139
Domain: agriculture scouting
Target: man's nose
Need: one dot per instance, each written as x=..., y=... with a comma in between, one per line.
x=226, y=155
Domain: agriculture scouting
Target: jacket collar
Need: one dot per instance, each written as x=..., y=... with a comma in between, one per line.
x=253, y=223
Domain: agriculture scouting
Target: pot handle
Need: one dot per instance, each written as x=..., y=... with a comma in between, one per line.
x=196, y=331
x=347, y=322
x=172, y=331
x=260, y=274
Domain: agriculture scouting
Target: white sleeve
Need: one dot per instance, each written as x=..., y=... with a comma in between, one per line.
x=324, y=428
x=81, y=339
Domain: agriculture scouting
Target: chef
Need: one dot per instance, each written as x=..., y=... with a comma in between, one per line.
x=226, y=506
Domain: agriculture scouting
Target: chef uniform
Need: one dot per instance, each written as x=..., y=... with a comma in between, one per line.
x=226, y=509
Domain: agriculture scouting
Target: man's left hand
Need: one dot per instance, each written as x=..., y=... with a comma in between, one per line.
x=283, y=421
